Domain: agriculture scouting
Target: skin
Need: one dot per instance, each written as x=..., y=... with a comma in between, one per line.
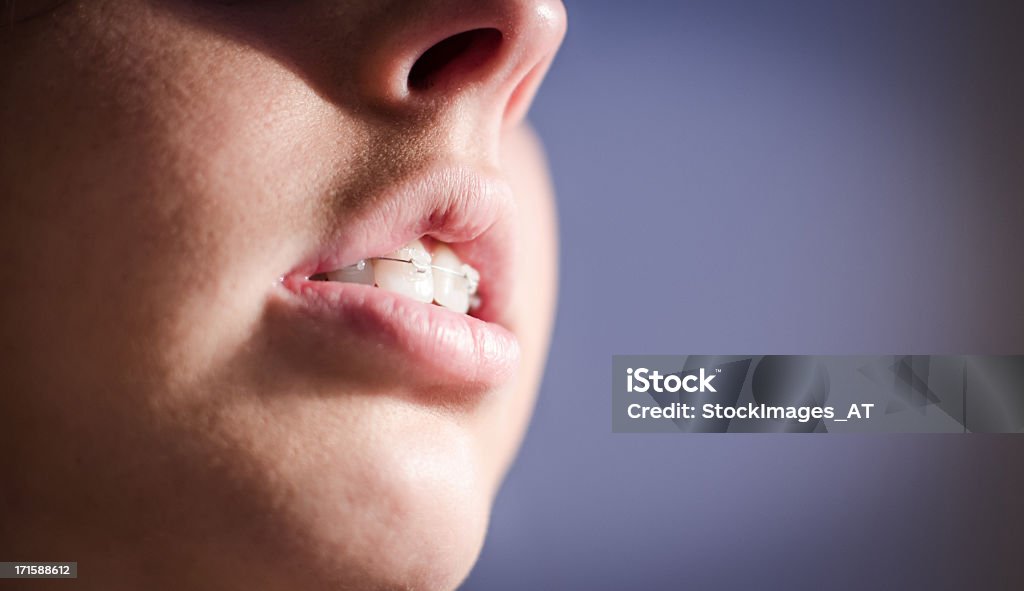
x=162, y=162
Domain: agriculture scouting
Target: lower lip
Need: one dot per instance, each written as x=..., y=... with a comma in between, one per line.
x=441, y=346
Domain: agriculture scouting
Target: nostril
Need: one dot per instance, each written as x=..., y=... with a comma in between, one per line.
x=454, y=58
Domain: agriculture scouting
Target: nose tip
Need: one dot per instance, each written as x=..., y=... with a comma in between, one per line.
x=493, y=53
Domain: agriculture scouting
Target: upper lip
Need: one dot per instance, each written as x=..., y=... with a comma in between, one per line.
x=471, y=211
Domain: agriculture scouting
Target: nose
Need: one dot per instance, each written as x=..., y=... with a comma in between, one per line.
x=485, y=55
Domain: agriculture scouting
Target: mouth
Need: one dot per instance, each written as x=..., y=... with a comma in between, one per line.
x=420, y=279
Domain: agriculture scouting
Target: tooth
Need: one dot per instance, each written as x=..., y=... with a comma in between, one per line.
x=361, y=272
x=415, y=281
x=450, y=289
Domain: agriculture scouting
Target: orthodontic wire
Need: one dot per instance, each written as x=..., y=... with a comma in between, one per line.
x=422, y=268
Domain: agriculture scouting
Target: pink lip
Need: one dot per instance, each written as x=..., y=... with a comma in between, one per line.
x=432, y=345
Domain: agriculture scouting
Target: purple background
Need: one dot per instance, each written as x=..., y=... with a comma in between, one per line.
x=776, y=177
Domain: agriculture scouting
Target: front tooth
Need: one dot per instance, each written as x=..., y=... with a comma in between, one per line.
x=450, y=289
x=414, y=280
x=361, y=272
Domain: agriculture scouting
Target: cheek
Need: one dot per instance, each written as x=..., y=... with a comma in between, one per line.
x=167, y=212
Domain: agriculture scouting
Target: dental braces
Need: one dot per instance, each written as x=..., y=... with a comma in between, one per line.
x=422, y=264
x=466, y=272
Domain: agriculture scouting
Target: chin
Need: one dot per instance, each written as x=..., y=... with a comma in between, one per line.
x=398, y=501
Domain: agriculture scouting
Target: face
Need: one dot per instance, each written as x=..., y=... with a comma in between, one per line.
x=203, y=386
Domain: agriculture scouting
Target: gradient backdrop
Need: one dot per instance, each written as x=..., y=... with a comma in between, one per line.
x=774, y=177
